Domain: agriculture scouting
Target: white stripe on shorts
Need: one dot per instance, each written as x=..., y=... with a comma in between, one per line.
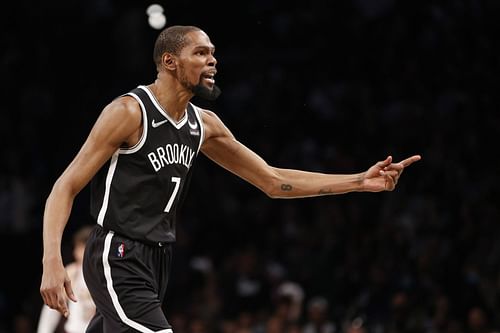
x=114, y=296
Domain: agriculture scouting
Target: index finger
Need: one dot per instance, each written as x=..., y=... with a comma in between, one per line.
x=56, y=301
x=69, y=290
x=406, y=162
x=63, y=307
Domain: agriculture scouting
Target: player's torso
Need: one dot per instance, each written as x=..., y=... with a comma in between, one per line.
x=137, y=193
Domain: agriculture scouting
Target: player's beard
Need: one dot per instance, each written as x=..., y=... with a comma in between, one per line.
x=205, y=92
x=199, y=89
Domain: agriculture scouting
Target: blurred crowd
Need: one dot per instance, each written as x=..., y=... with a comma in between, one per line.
x=321, y=85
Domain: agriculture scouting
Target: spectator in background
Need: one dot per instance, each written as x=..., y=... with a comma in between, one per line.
x=80, y=312
x=317, y=317
x=477, y=321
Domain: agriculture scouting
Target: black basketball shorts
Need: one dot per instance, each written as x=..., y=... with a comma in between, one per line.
x=127, y=280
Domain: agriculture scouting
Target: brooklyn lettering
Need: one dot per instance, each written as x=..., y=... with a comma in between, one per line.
x=171, y=154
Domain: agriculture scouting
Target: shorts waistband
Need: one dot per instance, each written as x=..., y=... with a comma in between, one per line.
x=143, y=241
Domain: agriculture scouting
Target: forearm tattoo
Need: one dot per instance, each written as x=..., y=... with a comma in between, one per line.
x=286, y=187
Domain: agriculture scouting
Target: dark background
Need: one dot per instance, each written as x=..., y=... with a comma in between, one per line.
x=328, y=86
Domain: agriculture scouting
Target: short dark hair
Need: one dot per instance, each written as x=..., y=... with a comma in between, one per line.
x=171, y=40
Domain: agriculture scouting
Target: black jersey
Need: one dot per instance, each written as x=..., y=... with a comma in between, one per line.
x=138, y=191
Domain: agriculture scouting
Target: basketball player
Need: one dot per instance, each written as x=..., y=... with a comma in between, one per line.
x=80, y=312
x=139, y=155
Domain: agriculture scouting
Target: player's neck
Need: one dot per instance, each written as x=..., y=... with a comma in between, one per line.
x=173, y=99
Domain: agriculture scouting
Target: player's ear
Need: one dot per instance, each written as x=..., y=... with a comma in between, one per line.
x=168, y=61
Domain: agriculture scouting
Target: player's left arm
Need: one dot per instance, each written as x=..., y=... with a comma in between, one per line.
x=221, y=146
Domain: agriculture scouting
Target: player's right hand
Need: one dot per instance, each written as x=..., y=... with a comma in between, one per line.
x=56, y=287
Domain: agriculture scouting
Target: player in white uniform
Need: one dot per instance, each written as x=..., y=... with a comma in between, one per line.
x=80, y=312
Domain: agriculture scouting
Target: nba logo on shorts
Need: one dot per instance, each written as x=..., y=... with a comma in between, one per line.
x=121, y=250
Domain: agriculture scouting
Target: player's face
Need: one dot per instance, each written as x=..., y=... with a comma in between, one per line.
x=197, y=66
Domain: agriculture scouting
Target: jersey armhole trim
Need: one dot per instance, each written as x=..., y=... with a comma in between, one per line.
x=197, y=113
x=144, y=134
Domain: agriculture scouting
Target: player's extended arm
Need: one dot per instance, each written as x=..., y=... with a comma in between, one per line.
x=222, y=147
x=118, y=123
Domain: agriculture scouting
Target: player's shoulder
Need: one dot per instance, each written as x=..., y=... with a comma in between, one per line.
x=125, y=102
x=204, y=113
x=207, y=116
x=124, y=106
x=213, y=124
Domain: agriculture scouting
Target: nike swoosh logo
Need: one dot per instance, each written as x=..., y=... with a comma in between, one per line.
x=193, y=126
x=156, y=124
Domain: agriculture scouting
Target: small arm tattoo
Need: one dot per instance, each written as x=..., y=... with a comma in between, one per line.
x=286, y=187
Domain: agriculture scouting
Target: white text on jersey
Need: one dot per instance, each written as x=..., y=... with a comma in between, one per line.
x=171, y=154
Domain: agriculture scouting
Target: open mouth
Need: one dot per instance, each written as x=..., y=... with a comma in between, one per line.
x=208, y=78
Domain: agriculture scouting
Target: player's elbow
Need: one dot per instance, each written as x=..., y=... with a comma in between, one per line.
x=271, y=187
x=272, y=193
x=63, y=188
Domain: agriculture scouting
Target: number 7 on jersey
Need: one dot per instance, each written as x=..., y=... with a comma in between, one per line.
x=177, y=182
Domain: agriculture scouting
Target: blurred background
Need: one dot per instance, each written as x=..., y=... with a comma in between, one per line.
x=328, y=86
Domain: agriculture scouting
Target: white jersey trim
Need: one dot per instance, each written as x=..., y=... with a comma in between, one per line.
x=197, y=112
x=109, y=178
x=177, y=125
x=144, y=134
x=114, y=297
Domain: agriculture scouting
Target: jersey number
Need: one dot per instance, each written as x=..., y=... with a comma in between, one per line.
x=177, y=182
